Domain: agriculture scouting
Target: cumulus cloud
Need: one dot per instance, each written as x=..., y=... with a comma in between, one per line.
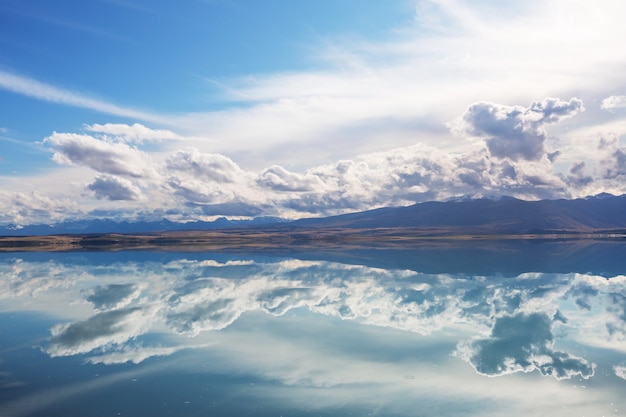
x=515, y=132
x=614, y=162
x=204, y=166
x=511, y=157
x=577, y=177
x=613, y=103
x=420, y=173
x=210, y=183
x=279, y=179
x=100, y=155
x=114, y=188
x=26, y=208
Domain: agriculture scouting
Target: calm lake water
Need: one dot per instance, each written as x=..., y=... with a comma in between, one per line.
x=494, y=328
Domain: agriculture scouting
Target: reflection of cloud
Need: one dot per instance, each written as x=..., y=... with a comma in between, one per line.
x=101, y=330
x=583, y=294
x=113, y=296
x=192, y=297
x=7, y=382
x=214, y=315
x=617, y=309
x=523, y=343
x=31, y=404
x=31, y=280
x=134, y=354
x=620, y=371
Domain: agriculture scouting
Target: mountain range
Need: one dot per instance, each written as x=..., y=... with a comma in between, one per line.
x=505, y=215
x=99, y=226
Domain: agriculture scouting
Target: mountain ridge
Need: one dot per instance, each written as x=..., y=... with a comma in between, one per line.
x=504, y=215
x=99, y=226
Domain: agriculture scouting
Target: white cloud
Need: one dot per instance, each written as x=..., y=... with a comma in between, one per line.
x=614, y=161
x=114, y=188
x=136, y=133
x=22, y=208
x=101, y=156
x=515, y=132
x=208, y=184
x=42, y=91
x=511, y=157
x=500, y=53
x=207, y=167
x=613, y=102
x=279, y=179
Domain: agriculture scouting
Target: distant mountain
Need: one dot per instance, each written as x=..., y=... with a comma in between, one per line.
x=603, y=212
x=488, y=215
x=109, y=226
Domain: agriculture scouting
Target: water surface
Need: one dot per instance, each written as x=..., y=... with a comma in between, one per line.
x=471, y=328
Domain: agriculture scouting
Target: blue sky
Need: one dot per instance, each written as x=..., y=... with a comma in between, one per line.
x=195, y=109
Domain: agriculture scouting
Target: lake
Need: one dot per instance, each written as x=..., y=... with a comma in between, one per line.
x=486, y=328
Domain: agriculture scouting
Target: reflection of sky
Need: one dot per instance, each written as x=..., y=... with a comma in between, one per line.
x=325, y=334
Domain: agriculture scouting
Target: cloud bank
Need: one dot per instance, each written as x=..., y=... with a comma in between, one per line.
x=507, y=153
x=509, y=156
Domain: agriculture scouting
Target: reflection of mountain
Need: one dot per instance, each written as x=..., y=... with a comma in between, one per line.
x=487, y=257
x=525, y=316
x=509, y=257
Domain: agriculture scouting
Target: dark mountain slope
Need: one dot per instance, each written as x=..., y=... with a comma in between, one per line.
x=507, y=215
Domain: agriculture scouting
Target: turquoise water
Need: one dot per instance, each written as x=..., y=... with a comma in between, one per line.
x=488, y=328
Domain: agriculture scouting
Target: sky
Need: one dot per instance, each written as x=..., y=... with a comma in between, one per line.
x=192, y=110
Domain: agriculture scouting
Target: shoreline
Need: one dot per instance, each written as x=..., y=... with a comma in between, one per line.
x=272, y=238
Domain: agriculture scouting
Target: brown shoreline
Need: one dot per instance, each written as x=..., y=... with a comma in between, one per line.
x=277, y=238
